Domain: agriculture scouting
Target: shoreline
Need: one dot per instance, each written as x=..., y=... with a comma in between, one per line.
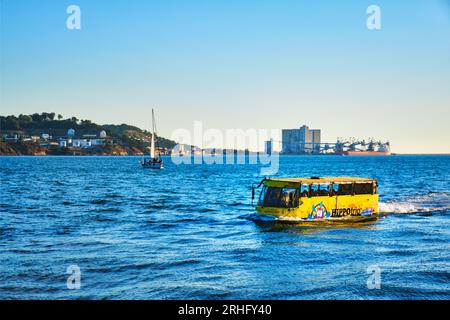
x=168, y=155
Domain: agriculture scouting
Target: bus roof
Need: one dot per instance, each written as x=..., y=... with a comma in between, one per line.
x=322, y=180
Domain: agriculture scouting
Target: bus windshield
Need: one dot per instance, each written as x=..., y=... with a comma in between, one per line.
x=278, y=197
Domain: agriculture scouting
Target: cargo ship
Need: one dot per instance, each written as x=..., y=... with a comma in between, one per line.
x=364, y=153
x=361, y=148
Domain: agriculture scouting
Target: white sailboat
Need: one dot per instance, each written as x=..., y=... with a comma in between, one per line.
x=155, y=161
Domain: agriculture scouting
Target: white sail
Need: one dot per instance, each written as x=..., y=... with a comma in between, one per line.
x=154, y=162
x=152, y=146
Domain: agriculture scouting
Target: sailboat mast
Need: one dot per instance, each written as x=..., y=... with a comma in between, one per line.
x=153, y=122
x=152, y=146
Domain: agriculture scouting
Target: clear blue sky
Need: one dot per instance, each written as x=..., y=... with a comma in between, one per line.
x=236, y=64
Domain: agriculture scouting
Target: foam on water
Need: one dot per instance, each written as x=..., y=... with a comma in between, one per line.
x=431, y=202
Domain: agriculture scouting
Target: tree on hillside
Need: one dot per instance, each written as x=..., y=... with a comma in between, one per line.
x=47, y=116
x=36, y=117
x=23, y=118
x=10, y=123
x=60, y=117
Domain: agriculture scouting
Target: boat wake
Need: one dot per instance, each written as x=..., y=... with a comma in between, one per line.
x=428, y=203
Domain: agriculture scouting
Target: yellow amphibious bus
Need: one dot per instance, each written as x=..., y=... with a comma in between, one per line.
x=318, y=198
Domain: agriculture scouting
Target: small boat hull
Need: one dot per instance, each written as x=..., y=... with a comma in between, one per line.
x=152, y=165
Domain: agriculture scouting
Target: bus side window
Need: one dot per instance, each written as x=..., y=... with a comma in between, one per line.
x=288, y=197
x=363, y=188
x=345, y=189
x=334, y=189
x=324, y=189
x=304, y=190
x=314, y=190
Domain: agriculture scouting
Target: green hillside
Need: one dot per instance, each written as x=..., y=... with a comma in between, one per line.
x=56, y=125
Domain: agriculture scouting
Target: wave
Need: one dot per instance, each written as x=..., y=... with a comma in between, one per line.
x=99, y=201
x=427, y=203
x=258, y=217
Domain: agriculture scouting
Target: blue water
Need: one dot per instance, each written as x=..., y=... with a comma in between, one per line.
x=190, y=232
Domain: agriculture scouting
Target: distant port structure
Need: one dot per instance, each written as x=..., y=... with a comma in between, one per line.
x=300, y=141
x=308, y=141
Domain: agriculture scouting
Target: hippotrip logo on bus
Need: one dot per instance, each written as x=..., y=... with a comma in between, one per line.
x=339, y=212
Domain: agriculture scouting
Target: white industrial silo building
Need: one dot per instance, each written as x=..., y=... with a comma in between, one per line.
x=71, y=133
